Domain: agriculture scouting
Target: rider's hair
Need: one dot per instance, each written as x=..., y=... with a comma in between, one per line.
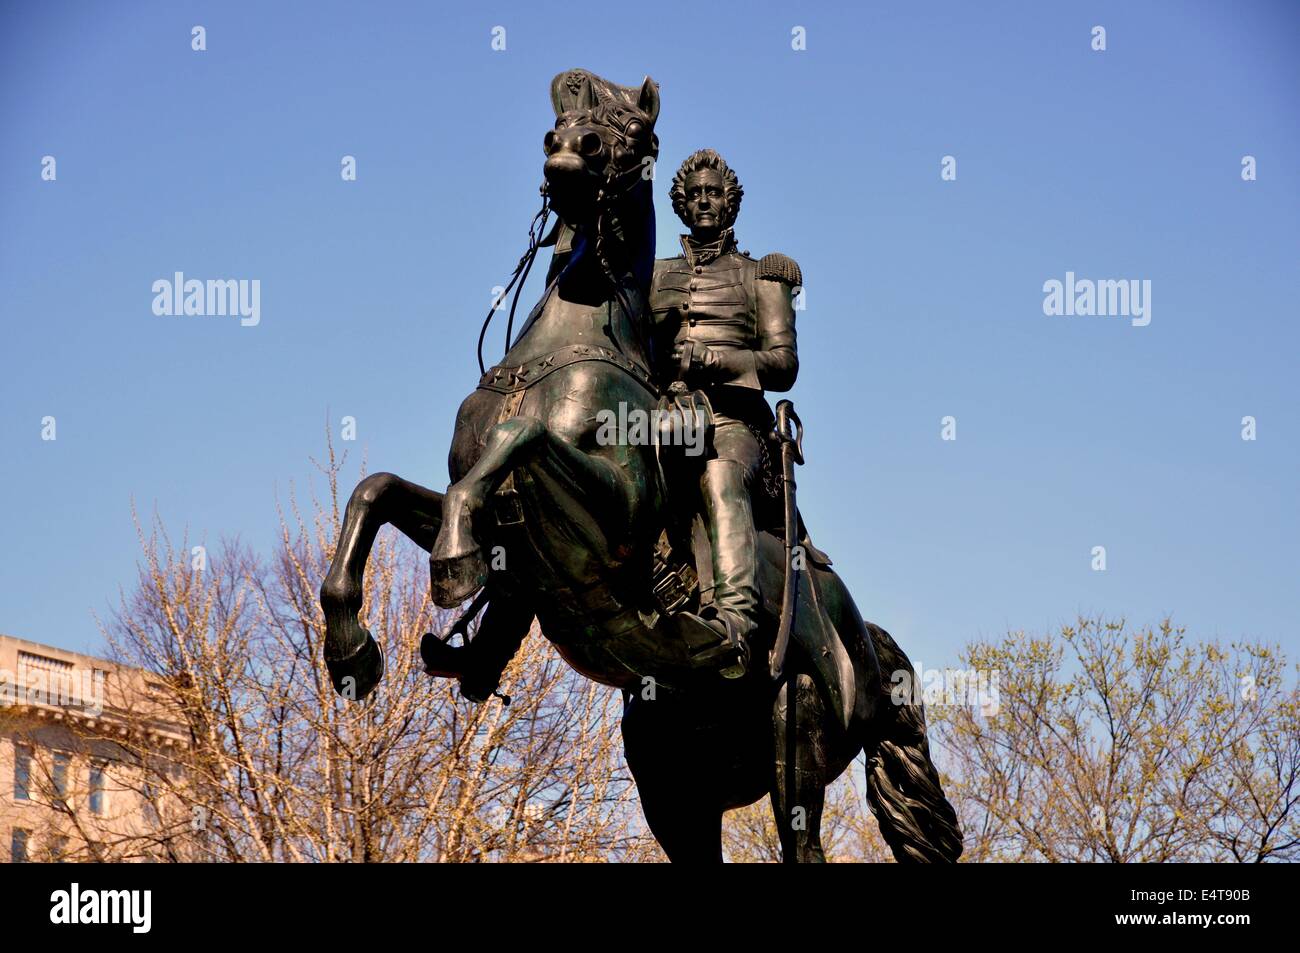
x=707, y=159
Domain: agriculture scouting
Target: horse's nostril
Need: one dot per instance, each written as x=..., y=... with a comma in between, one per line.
x=590, y=144
x=548, y=142
x=563, y=166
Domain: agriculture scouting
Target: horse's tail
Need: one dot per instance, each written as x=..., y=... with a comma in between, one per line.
x=903, y=787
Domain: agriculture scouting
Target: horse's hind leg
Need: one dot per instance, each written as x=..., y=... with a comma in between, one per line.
x=673, y=771
x=689, y=833
x=354, y=661
x=798, y=812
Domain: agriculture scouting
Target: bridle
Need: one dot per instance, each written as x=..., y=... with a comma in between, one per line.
x=616, y=187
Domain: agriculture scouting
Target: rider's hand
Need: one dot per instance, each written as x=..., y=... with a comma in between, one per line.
x=707, y=363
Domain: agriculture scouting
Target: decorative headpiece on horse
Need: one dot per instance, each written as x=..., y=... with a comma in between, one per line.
x=622, y=117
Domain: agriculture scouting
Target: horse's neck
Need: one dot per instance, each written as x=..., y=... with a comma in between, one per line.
x=584, y=308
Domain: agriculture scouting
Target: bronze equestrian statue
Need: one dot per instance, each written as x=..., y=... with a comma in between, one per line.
x=608, y=542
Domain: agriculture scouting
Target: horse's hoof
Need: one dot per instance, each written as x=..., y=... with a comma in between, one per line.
x=453, y=579
x=356, y=676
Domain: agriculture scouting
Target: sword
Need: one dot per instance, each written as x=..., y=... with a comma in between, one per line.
x=789, y=433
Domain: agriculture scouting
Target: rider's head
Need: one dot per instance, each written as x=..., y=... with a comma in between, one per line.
x=706, y=195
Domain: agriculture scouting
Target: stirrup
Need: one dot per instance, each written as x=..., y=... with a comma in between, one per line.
x=728, y=652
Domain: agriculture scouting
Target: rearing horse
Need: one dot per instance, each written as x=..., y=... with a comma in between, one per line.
x=574, y=530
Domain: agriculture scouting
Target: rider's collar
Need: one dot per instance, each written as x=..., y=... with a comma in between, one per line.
x=701, y=253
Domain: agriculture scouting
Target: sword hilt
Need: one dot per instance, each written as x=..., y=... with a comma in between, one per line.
x=789, y=429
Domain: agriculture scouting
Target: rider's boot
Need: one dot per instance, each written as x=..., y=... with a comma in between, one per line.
x=480, y=664
x=733, y=615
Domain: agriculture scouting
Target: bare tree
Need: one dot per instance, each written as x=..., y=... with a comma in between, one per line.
x=849, y=830
x=1116, y=745
x=275, y=767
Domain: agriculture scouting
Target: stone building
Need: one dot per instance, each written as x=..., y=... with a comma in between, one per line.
x=91, y=761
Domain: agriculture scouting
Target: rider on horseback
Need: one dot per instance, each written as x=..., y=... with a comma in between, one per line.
x=600, y=557
x=728, y=323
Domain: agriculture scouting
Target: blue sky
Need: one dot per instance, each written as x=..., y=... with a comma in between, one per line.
x=924, y=297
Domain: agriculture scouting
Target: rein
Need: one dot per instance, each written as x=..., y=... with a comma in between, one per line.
x=535, y=232
x=605, y=199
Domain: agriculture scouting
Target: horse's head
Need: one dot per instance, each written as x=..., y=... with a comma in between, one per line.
x=603, y=137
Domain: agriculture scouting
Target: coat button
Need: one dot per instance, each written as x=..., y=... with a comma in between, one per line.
x=693, y=286
x=699, y=270
x=686, y=306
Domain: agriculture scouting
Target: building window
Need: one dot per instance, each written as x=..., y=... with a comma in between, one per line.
x=18, y=846
x=149, y=794
x=58, y=849
x=96, y=789
x=60, y=776
x=22, y=773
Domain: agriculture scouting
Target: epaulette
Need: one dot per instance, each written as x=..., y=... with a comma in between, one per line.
x=778, y=267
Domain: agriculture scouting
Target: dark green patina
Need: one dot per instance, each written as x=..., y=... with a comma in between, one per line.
x=652, y=570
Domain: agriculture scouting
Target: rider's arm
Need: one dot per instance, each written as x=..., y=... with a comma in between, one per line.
x=775, y=361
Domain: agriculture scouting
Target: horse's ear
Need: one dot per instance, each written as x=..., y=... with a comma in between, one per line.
x=648, y=101
x=587, y=99
x=556, y=102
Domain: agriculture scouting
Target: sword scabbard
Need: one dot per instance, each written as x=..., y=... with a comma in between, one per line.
x=789, y=431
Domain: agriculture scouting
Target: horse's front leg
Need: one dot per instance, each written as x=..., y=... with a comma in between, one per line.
x=578, y=481
x=353, y=658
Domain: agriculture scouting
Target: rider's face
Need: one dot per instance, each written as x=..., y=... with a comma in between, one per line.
x=706, y=203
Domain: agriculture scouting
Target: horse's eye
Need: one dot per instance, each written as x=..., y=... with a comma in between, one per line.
x=548, y=142
x=635, y=130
